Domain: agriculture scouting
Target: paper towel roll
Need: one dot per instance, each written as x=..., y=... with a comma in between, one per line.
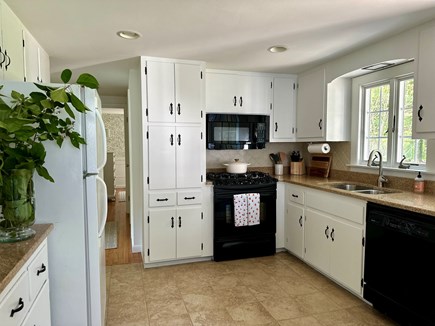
x=319, y=148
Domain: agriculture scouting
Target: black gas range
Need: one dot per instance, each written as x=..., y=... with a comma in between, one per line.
x=236, y=242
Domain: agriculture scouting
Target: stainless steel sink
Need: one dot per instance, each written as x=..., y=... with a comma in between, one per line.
x=362, y=189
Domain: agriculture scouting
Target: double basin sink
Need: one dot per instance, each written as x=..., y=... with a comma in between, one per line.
x=362, y=189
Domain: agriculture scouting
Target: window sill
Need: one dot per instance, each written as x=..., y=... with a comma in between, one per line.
x=405, y=173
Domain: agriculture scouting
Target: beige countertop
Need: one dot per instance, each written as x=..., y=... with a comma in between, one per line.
x=421, y=203
x=13, y=256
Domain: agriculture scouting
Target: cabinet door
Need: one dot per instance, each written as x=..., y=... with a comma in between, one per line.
x=188, y=164
x=162, y=234
x=188, y=92
x=160, y=91
x=317, y=233
x=222, y=93
x=31, y=57
x=284, y=100
x=310, y=108
x=346, y=254
x=39, y=314
x=44, y=66
x=294, y=229
x=189, y=232
x=255, y=94
x=12, y=33
x=161, y=157
x=425, y=99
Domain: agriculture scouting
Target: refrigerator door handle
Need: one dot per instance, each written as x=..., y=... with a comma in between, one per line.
x=104, y=205
x=103, y=140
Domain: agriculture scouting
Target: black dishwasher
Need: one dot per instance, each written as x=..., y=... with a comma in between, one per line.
x=399, y=274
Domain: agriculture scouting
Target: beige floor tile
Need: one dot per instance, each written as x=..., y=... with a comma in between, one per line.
x=125, y=293
x=237, y=295
x=342, y=297
x=202, y=302
x=126, y=312
x=165, y=309
x=316, y=303
x=267, y=291
x=282, y=309
x=369, y=316
x=252, y=314
x=340, y=317
x=218, y=317
x=301, y=321
x=161, y=290
x=225, y=281
x=181, y=320
x=294, y=287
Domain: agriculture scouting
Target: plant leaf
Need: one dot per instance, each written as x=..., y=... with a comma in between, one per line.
x=75, y=101
x=44, y=87
x=59, y=95
x=44, y=173
x=88, y=80
x=66, y=75
x=69, y=111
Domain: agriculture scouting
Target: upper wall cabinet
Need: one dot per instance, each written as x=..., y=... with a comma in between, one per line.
x=173, y=92
x=424, y=100
x=323, y=110
x=36, y=60
x=11, y=45
x=238, y=92
x=283, y=123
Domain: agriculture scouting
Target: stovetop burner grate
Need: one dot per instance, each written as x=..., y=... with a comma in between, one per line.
x=248, y=178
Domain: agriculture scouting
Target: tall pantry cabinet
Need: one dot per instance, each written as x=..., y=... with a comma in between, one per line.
x=174, y=156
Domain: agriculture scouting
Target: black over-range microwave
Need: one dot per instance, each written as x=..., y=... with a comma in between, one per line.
x=237, y=131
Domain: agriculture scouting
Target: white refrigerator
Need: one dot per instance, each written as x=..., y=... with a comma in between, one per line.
x=76, y=203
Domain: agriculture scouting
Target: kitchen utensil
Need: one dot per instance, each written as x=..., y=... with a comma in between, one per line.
x=272, y=158
x=295, y=156
x=282, y=157
x=237, y=167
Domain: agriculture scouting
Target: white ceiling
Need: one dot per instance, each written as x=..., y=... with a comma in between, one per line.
x=227, y=34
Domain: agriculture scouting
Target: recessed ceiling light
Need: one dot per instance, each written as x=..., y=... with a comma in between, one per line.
x=277, y=48
x=128, y=35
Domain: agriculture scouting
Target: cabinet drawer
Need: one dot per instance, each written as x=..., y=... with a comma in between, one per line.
x=189, y=197
x=38, y=272
x=39, y=314
x=161, y=199
x=16, y=302
x=295, y=195
x=341, y=206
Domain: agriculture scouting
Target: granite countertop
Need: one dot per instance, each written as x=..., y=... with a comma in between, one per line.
x=420, y=203
x=13, y=256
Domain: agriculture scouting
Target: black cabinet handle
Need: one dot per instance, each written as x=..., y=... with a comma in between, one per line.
x=42, y=270
x=300, y=221
x=172, y=222
x=295, y=196
x=17, y=309
x=189, y=198
x=276, y=126
x=7, y=64
x=241, y=101
x=179, y=139
x=332, y=234
x=171, y=109
x=326, y=232
x=320, y=124
x=418, y=113
x=178, y=108
x=235, y=101
x=179, y=221
x=171, y=139
x=3, y=59
x=162, y=199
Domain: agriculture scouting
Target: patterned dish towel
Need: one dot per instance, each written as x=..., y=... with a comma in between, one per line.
x=253, y=208
x=240, y=210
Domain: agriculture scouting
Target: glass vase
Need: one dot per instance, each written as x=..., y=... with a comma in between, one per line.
x=17, y=202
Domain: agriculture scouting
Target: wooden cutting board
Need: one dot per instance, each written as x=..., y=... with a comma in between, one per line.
x=320, y=165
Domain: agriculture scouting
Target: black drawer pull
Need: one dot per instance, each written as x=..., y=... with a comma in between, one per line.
x=327, y=232
x=418, y=113
x=300, y=221
x=332, y=234
x=42, y=270
x=189, y=198
x=179, y=221
x=235, y=101
x=276, y=126
x=162, y=199
x=241, y=101
x=19, y=308
x=172, y=222
x=295, y=196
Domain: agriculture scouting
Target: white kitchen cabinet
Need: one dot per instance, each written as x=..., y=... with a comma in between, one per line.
x=323, y=109
x=333, y=236
x=283, y=122
x=174, y=233
x=294, y=220
x=25, y=300
x=36, y=60
x=173, y=92
x=11, y=45
x=238, y=93
x=424, y=98
x=173, y=157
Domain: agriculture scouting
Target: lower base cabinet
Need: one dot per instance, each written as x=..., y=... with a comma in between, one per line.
x=175, y=233
x=294, y=221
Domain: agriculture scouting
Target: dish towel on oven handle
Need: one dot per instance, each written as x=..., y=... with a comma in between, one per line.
x=240, y=210
x=253, y=208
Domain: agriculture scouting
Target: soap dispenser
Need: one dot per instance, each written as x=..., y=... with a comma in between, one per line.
x=419, y=183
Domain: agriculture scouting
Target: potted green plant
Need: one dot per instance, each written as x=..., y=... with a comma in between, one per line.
x=26, y=122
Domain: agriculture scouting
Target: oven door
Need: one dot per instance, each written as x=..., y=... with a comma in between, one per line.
x=231, y=242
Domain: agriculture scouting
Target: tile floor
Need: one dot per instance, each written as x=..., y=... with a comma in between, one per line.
x=275, y=290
